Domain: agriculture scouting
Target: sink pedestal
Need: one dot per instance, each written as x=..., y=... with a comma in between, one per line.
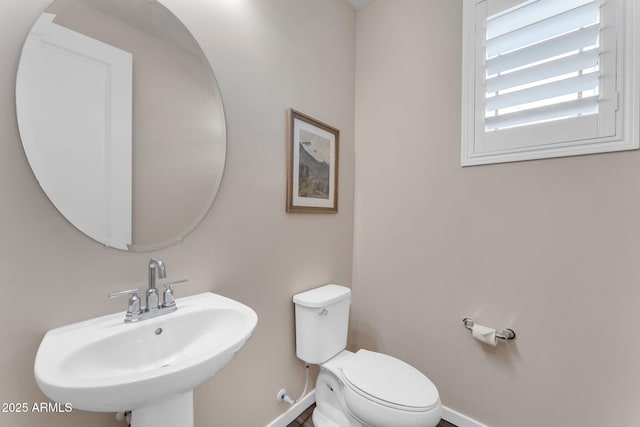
x=174, y=410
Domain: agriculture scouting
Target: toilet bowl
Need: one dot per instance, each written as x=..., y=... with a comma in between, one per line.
x=363, y=388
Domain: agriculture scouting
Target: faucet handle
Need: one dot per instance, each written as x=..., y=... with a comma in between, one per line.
x=133, y=292
x=168, y=292
x=134, y=302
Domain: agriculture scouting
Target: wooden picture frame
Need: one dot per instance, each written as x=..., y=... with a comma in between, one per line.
x=312, y=165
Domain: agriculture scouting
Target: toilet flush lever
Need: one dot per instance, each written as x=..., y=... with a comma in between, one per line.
x=323, y=312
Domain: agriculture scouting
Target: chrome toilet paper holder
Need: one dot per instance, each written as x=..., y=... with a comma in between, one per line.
x=506, y=334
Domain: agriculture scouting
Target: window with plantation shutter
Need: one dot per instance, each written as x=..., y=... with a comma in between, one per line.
x=546, y=78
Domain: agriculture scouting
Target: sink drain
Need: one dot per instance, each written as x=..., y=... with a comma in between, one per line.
x=158, y=331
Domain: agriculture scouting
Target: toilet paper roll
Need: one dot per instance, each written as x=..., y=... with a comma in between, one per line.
x=484, y=334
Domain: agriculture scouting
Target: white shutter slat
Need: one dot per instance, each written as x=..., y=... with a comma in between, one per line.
x=513, y=19
x=583, y=106
x=548, y=49
x=558, y=67
x=571, y=20
x=545, y=91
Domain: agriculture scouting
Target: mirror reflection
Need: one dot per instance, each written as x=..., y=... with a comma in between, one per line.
x=121, y=120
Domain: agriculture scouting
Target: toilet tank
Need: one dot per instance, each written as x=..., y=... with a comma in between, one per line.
x=322, y=320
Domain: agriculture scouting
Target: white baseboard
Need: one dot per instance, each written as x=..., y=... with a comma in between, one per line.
x=292, y=413
x=458, y=419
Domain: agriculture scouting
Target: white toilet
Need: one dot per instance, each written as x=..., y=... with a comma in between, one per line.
x=363, y=388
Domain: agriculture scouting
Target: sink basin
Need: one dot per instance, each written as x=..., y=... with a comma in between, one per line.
x=106, y=365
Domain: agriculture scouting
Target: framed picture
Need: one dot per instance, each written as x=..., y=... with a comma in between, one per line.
x=312, y=165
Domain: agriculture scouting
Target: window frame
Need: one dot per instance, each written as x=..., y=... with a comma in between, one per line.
x=627, y=123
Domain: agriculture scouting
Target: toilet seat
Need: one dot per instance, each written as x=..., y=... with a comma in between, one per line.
x=390, y=382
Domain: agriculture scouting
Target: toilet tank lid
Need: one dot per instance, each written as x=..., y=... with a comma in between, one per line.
x=322, y=296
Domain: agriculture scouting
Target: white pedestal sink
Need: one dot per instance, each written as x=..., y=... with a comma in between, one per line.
x=149, y=367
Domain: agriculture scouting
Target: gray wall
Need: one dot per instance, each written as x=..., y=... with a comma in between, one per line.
x=267, y=56
x=547, y=247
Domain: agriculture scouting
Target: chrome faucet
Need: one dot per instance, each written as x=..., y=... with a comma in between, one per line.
x=153, y=308
x=153, y=301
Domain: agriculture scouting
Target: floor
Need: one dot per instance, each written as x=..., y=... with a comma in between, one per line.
x=304, y=420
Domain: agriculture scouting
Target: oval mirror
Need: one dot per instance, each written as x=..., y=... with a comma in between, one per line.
x=121, y=120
